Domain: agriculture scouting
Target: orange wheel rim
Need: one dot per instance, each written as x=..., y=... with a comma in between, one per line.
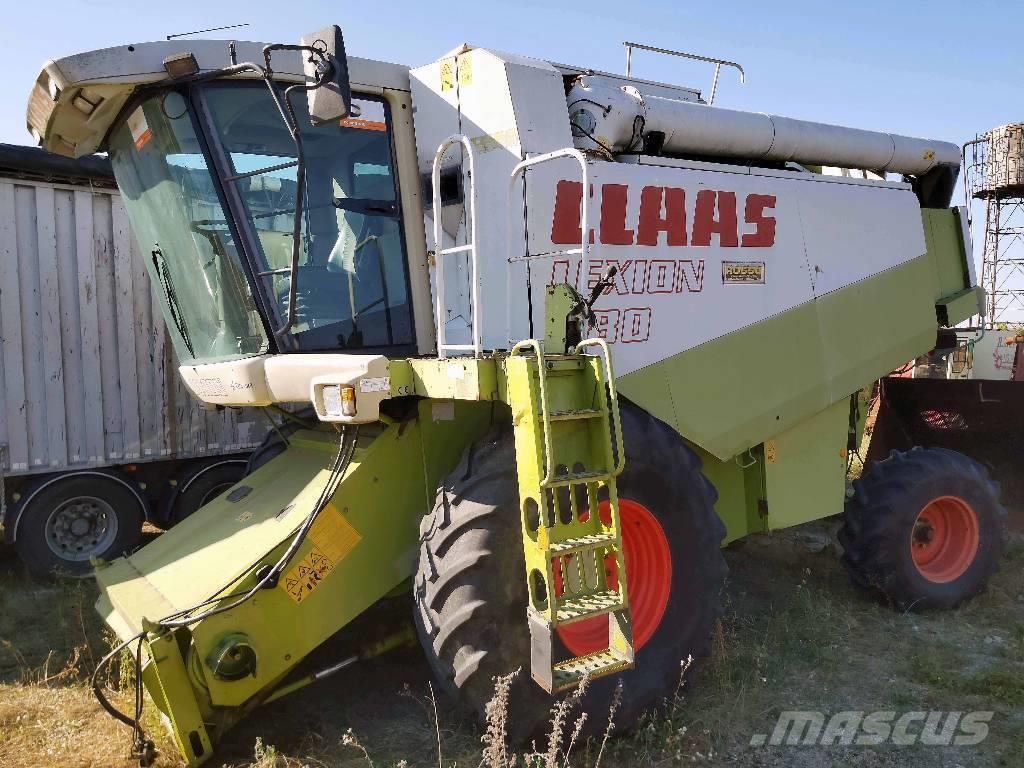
x=945, y=539
x=649, y=564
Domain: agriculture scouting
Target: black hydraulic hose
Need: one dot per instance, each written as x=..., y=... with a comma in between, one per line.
x=97, y=689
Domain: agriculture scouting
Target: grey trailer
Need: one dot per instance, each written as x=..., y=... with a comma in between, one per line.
x=97, y=433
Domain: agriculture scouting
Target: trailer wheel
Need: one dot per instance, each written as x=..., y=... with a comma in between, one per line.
x=65, y=520
x=924, y=528
x=200, y=484
x=471, y=596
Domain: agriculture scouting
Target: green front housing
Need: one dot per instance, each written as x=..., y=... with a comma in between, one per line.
x=219, y=550
x=773, y=422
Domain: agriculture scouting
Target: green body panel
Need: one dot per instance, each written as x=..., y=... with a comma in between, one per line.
x=946, y=250
x=221, y=542
x=463, y=378
x=954, y=309
x=956, y=299
x=805, y=468
x=709, y=395
x=876, y=325
x=740, y=485
x=168, y=682
x=740, y=389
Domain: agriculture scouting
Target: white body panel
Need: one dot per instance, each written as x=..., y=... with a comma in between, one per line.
x=668, y=298
x=87, y=374
x=509, y=107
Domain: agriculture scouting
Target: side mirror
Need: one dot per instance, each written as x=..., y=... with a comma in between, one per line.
x=333, y=99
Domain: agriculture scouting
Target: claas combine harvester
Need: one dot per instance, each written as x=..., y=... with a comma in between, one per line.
x=444, y=263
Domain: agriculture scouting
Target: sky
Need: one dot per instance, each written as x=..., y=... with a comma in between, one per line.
x=937, y=69
x=934, y=68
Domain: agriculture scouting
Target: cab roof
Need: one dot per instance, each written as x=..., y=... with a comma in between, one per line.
x=76, y=98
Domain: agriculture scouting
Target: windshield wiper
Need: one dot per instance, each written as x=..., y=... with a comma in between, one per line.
x=366, y=207
x=164, y=275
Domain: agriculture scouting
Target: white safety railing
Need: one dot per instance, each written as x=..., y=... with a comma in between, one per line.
x=719, y=63
x=517, y=222
x=470, y=247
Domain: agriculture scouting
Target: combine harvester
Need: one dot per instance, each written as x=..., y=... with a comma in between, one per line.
x=476, y=449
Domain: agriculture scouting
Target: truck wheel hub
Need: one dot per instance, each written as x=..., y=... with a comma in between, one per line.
x=80, y=528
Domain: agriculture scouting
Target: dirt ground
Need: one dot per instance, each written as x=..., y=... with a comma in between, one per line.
x=795, y=636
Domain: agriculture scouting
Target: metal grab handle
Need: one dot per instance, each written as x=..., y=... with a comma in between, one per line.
x=613, y=397
x=584, y=250
x=440, y=252
x=719, y=63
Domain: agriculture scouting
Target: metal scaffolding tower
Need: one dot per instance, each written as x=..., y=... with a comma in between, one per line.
x=994, y=175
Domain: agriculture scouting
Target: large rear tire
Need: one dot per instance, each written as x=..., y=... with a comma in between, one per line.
x=924, y=528
x=470, y=589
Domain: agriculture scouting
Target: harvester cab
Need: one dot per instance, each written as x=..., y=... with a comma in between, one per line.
x=441, y=262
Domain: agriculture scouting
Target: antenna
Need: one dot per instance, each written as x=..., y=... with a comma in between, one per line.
x=211, y=29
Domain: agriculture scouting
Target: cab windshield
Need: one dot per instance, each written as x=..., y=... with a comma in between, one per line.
x=210, y=187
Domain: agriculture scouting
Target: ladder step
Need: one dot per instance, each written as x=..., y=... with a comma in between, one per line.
x=577, y=477
x=583, y=543
x=456, y=249
x=583, y=413
x=587, y=606
x=569, y=674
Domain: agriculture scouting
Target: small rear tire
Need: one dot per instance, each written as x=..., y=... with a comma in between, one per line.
x=924, y=527
x=200, y=484
x=64, y=521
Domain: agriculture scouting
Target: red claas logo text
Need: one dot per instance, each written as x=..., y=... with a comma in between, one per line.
x=716, y=218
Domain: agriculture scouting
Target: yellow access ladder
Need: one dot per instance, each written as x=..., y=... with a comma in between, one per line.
x=565, y=416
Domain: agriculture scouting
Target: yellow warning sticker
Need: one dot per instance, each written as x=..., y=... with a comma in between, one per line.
x=447, y=75
x=769, y=451
x=332, y=537
x=465, y=70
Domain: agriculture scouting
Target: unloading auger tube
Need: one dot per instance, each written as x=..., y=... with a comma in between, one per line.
x=612, y=119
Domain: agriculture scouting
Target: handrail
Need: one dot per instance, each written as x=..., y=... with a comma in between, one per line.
x=440, y=253
x=584, y=249
x=538, y=350
x=719, y=63
x=613, y=397
x=545, y=415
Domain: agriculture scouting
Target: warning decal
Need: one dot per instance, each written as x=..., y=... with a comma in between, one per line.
x=361, y=124
x=447, y=75
x=332, y=537
x=465, y=70
x=140, y=129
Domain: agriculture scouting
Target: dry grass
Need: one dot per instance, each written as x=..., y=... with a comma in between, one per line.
x=795, y=635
